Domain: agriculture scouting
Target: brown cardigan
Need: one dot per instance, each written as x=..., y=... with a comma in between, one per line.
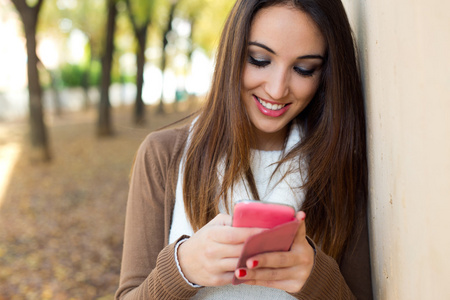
x=149, y=269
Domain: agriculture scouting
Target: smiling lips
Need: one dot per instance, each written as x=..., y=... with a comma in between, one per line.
x=269, y=108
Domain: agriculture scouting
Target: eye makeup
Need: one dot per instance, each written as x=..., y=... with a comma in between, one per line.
x=261, y=63
x=255, y=60
x=258, y=62
x=304, y=72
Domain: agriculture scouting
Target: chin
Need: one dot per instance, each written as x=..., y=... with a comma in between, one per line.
x=269, y=129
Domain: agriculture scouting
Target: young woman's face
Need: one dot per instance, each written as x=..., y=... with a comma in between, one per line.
x=282, y=72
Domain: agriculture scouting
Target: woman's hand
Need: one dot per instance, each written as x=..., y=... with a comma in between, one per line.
x=287, y=271
x=210, y=256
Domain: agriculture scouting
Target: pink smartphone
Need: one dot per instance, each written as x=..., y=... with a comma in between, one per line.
x=278, y=218
x=251, y=213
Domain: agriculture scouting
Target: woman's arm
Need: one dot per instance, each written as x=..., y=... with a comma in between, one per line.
x=149, y=269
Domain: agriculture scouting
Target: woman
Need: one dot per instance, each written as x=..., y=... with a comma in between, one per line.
x=284, y=122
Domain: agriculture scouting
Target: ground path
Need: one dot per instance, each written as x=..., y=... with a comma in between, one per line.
x=61, y=224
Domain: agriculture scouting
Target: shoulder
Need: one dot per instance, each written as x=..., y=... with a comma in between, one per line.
x=167, y=141
x=160, y=153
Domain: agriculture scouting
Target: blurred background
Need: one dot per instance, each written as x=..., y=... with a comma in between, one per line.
x=81, y=84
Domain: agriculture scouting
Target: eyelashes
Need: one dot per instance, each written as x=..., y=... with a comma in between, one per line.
x=304, y=72
x=258, y=63
x=263, y=63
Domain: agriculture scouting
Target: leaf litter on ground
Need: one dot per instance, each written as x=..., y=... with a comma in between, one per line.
x=61, y=223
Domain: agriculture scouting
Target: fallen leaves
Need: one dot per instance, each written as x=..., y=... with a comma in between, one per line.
x=62, y=223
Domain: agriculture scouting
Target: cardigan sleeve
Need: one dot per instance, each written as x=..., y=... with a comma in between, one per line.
x=349, y=280
x=149, y=270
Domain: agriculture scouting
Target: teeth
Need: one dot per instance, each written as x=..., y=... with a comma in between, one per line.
x=270, y=105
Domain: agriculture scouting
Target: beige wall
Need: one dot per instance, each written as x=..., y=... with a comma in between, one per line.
x=405, y=56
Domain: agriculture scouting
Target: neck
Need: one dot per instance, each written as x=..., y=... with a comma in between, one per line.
x=271, y=141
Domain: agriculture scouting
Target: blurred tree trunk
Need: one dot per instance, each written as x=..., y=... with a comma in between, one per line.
x=140, y=31
x=85, y=76
x=168, y=29
x=140, y=59
x=54, y=80
x=85, y=86
x=38, y=131
x=104, y=117
x=139, y=112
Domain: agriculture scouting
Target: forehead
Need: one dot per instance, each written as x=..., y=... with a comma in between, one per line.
x=284, y=28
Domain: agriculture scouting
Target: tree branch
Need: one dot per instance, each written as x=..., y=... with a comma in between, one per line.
x=38, y=5
x=130, y=14
x=21, y=6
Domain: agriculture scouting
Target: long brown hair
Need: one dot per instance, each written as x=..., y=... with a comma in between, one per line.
x=334, y=142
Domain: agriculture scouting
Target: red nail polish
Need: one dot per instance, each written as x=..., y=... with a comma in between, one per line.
x=242, y=273
x=303, y=217
x=255, y=264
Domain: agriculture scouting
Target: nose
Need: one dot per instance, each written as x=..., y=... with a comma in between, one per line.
x=277, y=85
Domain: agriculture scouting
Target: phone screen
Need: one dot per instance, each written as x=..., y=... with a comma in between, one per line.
x=261, y=214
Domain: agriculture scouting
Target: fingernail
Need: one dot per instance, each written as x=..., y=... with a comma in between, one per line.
x=255, y=263
x=303, y=217
x=242, y=273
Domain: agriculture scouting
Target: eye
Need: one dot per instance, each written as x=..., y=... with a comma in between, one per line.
x=304, y=72
x=258, y=63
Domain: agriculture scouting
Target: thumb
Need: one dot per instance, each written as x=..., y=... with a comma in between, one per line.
x=301, y=216
x=221, y=220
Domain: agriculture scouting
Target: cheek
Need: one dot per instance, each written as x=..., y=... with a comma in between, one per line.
x=306, y=89
x=251, y=78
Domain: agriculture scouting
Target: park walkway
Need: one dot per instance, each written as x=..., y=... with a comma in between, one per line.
x=62, y=223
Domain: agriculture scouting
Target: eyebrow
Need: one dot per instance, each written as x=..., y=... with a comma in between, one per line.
x=310, y=56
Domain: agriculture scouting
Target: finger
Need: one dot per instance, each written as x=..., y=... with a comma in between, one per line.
x=221, y=219
x=301, y=216
x=216, y=251
x=281, y=259
x=228, y=264
x=233, y=235
x=266, y=274
x=219, y=280
x=286, y=279
x=275, y=274
x=300, y=237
